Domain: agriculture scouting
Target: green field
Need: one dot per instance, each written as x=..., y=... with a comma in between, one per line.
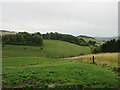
x=98, y=42
x=34, y=72
x=50, y=48
x=41, y=67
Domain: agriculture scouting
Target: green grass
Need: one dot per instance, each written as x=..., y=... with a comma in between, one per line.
x=22, y=61
x=98, y=42
x=28, y=67
x=34, y=72
x=51, y=48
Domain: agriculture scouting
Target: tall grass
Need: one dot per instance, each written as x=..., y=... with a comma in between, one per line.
x=102, y=58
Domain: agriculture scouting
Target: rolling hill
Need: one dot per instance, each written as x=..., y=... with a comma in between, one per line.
x=39, y=67
x=107, y=38
x=4, y=32
x=87, y=39
x=50, y=48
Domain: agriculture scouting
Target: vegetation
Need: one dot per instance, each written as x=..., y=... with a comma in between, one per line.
x=64, y=37
x=95, y=49
x=22, y=38
x=54, y=73
x=111, y=46
x=30, y=62
x=4, y=32
x=84, y=36
x=106, y=60
x=91, y=40
x=101, y=58
x=50, y=48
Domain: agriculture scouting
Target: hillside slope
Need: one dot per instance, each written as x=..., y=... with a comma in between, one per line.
x=4, y=32
x=50, y=48
x=87, y=39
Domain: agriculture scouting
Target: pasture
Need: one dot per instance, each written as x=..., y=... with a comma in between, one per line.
x=50, y=48
x=98, y=42
x=35, y=72
x=40, y=67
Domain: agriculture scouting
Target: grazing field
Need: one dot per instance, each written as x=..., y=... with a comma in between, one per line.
x=102, y=58
x=39, y=67
x=34, y=72
x=87, y=39
x=50, y=48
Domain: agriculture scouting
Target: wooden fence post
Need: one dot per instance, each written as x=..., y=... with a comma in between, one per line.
x=93, y=59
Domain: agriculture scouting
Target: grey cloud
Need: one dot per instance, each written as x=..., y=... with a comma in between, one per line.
x=95, y=19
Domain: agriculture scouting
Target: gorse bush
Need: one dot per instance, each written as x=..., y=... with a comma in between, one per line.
x=22, y=38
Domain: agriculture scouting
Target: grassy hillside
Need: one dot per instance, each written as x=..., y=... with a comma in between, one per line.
x=2, y=32
x=87, y=39
x=29, y=67
x=50, y=48
x=102, y=58
x=37, y=72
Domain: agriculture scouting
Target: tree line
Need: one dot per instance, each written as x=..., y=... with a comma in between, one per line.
x=111, y=46
x=22, y=38
x=65, y=37
x=85, y=36
x=25, y=38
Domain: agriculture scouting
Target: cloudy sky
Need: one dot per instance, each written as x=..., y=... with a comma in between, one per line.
x=77, y=18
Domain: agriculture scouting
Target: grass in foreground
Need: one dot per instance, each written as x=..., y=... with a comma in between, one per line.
x=54, y=73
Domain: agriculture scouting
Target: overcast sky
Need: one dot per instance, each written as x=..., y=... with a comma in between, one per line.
x=77, y=18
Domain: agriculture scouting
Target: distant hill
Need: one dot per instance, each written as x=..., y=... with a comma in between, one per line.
x=106, y=38
x=3, y=32
x=84, y=36
x=88, y=38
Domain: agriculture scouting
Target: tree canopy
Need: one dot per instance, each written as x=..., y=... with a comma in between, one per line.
x=65, y=37
x=22, y=38
x=111, y=46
